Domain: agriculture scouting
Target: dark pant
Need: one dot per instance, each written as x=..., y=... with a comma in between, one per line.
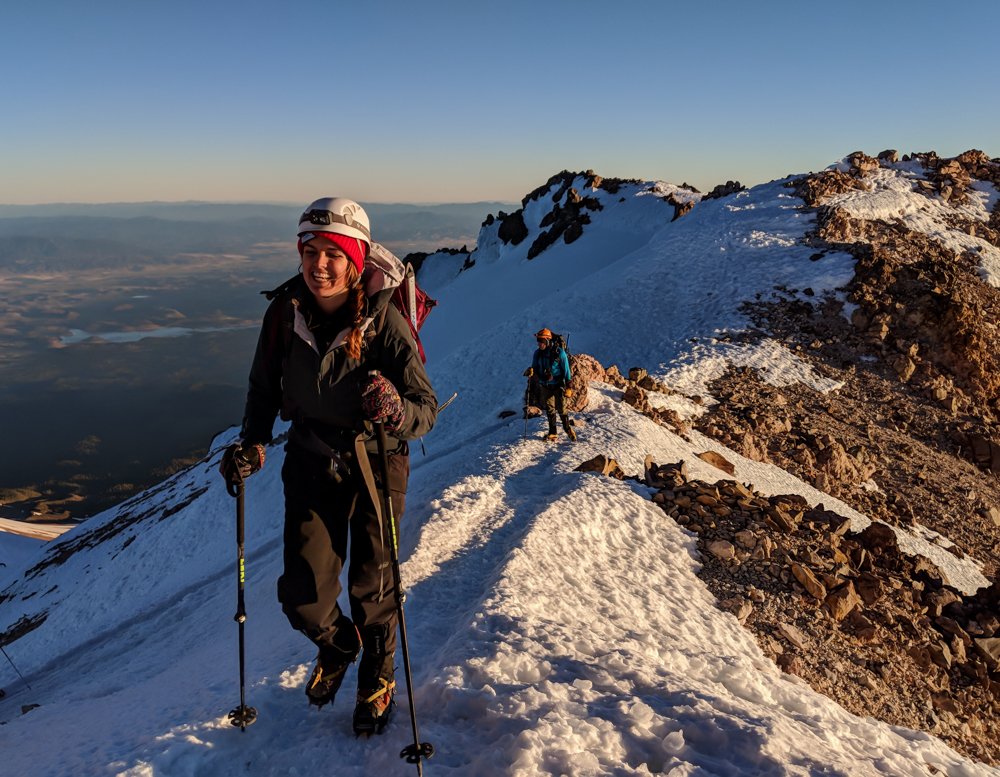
x=552, y=399
x=321, y=509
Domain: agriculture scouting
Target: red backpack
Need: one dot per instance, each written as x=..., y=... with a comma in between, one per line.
x=408, y=297
x=414, y=304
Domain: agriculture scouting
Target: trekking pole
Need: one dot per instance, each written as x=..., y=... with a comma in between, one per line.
x=15, y=667
x=243, y=715
x=524, y=409
x=412, y=753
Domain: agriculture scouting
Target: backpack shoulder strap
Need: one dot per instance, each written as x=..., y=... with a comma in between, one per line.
x=373, y=331
x=285, y=288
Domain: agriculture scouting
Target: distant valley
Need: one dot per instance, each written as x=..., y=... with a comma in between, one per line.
x=128, y=332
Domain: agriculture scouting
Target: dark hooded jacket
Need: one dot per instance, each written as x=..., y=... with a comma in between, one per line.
x=301, y=369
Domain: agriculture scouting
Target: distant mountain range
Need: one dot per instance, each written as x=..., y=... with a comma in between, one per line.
x=73, y=236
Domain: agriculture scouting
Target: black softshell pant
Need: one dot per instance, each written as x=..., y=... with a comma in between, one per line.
x=320, y=512
x=552, y=399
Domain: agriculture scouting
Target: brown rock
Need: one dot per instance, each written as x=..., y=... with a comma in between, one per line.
x=841, y=602
x=636, y=397
x=877, y=537
x=717, y=460
x=738, y=606
x=722, y=550
x=781, y=520
x=614, y=377
x=921, y=656
x=940, y=654
x=869, y=588
x=602, y=465
x=839, y=525
x=989, y=649
x=863, y=628
x=651, y=474
x=808, y=581
x=792, y=634
x=936, y=601
x=584, y=368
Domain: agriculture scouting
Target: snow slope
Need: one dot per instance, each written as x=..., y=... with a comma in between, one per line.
x=15, y=551
x=556, y=622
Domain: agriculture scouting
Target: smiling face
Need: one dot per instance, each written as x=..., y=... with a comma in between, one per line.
x=325, y=268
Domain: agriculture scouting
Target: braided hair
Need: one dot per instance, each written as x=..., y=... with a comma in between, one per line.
x=356, y=304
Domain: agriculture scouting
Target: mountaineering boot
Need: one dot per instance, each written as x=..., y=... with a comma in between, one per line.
x=376, y=683
x=570, y=432
x=332, y=663
x=552, y=437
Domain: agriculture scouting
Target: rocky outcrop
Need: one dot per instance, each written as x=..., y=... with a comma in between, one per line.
x=916, y=298
x=512, y=229
x=636, y=386
x=881, y=632
x=565, y=221
x=924, y=300
x=724, y=190
x=681, y=207
x=985, y=453
x=417, y=258
x=951, y=178
x=584, y=368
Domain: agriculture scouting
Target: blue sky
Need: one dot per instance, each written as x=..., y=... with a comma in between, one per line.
x=461, y=101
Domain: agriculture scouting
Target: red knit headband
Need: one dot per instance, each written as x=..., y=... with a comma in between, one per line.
x=355, y=248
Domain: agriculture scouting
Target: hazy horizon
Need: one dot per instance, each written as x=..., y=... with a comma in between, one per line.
x=275, y=203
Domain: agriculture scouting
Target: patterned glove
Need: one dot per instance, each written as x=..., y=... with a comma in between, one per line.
x=381, y=402
x=528, y=373
x=567, y=392
x=240, y=461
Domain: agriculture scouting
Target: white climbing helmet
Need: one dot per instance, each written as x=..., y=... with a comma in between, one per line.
x=338, y=215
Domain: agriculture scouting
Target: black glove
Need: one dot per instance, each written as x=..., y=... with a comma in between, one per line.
x=381, y=402
x=240, y=461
